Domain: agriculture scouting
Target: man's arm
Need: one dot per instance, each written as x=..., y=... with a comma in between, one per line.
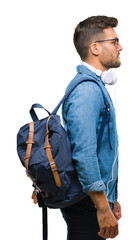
x=82, y=114
x=106, y=220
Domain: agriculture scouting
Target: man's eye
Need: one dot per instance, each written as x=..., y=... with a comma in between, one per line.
x=115, y=42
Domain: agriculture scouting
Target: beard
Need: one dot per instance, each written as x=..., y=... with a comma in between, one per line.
x=108, y=61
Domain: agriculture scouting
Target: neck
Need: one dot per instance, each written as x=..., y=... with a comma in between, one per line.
x=96, y=65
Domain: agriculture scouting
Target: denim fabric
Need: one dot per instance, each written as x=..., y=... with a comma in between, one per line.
x=81, y=219
x=82, y=115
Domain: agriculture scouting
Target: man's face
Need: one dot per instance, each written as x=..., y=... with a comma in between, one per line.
x=109, y=50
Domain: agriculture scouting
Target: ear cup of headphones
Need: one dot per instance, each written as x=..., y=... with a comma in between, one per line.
x=108, y=77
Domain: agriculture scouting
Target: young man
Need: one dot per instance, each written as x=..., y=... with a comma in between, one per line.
x=96, y=216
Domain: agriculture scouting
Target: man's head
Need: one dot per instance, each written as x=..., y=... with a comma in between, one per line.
x=96, y=42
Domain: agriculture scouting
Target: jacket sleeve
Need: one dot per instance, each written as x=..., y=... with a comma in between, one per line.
x=83, y=110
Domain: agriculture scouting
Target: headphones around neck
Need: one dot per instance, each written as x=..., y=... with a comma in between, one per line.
x=108, y=77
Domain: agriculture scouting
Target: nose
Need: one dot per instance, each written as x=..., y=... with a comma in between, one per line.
x=120, y=47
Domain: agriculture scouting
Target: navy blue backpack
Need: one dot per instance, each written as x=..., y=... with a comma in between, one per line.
x=44, y=149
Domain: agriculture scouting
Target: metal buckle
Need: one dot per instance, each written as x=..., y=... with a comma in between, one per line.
x=108, y=106
x=53, y=167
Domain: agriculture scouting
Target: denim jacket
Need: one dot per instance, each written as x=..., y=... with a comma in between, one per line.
x=82, y=115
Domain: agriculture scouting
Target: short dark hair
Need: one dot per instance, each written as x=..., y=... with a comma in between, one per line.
x=91, y=29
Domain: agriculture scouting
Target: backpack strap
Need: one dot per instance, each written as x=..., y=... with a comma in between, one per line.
x=44, y=223
x=105, y=120
x=29, y=144
x=73, y=87
x=50, y=157
x=28, y=152
x=106, y=116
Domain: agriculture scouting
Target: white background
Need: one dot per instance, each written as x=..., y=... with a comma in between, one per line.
x=37, y=60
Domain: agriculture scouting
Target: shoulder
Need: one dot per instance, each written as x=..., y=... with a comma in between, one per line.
x=87, y=90
x=86, y=95
x=89, y=86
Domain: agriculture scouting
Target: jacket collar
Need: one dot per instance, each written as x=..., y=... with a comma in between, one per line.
x=97, y=71
x=81, y=69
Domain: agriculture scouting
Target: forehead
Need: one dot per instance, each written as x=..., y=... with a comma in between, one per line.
x=110, y=33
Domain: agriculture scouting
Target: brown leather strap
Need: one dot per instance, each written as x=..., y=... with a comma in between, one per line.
x=50, y=157
x=29, y=144
x=28, y=152
x=34, y=197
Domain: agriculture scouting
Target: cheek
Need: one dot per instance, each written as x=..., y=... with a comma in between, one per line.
x=110, y=54
x=105, y=54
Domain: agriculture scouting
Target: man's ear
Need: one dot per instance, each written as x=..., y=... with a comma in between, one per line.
x=94, y=49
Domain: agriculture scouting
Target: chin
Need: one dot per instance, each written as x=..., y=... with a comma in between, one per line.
x=116, y=65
